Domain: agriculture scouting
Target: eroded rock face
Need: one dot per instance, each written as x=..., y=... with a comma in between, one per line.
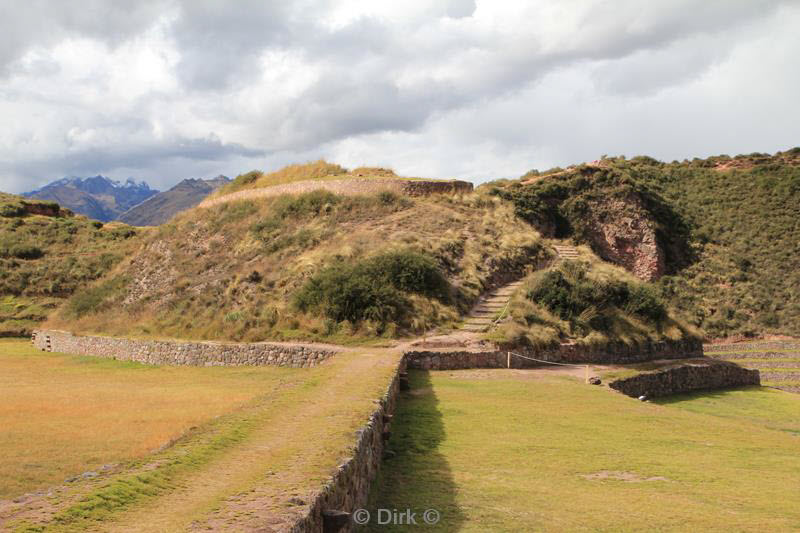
x=623, y=234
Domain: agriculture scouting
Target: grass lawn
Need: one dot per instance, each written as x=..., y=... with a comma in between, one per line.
x=504, y=451
x=263, y=436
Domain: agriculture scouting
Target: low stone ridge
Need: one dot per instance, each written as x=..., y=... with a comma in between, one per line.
x=694, y=376
x=182, y=353
x=565, y=353
x=763, y=346
x=348, y=489
x=349, y=186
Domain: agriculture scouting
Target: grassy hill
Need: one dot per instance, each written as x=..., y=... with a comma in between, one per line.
x=46, y=253
x=726, y=230
x=344, y=269
x=315, y=265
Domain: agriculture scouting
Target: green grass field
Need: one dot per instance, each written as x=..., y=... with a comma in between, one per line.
x=507, y=451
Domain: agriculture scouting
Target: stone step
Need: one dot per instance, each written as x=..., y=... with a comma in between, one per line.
x=494, y=302
x=479, y=320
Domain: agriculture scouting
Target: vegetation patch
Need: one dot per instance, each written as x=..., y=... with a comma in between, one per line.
x=374, y=289
x=46, y=254
x=588, y=302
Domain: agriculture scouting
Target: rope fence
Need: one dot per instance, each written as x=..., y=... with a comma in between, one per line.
x=586, y=367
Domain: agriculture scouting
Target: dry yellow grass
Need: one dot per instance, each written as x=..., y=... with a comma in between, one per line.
x=212, y=274
x=236, y=472
x=62, y=415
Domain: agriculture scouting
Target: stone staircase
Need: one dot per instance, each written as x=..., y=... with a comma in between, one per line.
x=565, y=251
x=485, y=312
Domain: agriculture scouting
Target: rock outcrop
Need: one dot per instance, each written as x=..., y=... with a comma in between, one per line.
x=622, y=233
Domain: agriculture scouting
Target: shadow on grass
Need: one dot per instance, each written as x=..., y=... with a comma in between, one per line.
x=418, y=477
x=712, y=394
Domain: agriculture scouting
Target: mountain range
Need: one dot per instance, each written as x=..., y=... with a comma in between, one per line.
x=132, y=202
x=97, y=197
x=161, y=207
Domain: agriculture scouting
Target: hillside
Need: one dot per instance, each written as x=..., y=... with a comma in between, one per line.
x=318, y=265
x=97, y=197
x=314, y=265
x=720, y=236
x=163, y=206
x=46, y=253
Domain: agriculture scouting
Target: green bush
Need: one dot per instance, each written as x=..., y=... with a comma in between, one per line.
x=568, y=293
x=12, y=210
x=22, y=251
x=373, y=289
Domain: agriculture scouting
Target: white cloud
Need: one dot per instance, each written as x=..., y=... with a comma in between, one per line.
x=478, y=90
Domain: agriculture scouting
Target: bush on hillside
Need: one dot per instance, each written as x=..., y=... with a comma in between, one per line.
x=12, y=210
x=571, y=295
x=374, y=289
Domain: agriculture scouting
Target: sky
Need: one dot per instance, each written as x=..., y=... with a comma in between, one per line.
x=162, y=90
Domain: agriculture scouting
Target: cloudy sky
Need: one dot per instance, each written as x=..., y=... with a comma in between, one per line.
x=163, y=90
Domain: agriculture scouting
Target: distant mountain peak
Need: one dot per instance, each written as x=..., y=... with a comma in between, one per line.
x=97, y=196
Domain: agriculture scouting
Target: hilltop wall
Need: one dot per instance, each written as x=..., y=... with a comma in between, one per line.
x=182, y=353
x=348, y=186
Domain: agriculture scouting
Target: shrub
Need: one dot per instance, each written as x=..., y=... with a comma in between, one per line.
x=568, y=293
x=373, y=289
x=644, y=301
x=12, y=210
x=23, y=251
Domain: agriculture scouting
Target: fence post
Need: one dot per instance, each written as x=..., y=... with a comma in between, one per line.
x=508, y=361
x=586, y=376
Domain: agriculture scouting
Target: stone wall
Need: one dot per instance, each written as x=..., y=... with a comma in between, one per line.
x=698, y=375
x=183, y=353
x=763, y=346
x=349, y=488
x=565, y=353
x=348, y=186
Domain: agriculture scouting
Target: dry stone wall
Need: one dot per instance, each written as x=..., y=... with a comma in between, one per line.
x=694, y=376
x=764, y=346
x=183, y=353
x=565, y=353
x=348, y=489
x=348, y=186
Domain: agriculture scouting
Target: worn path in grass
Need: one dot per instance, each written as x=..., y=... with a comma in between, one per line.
x=238, y=472
x=507, y=450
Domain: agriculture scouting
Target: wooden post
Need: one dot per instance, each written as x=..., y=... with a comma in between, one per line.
x=587, y=374
x=508, y=360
